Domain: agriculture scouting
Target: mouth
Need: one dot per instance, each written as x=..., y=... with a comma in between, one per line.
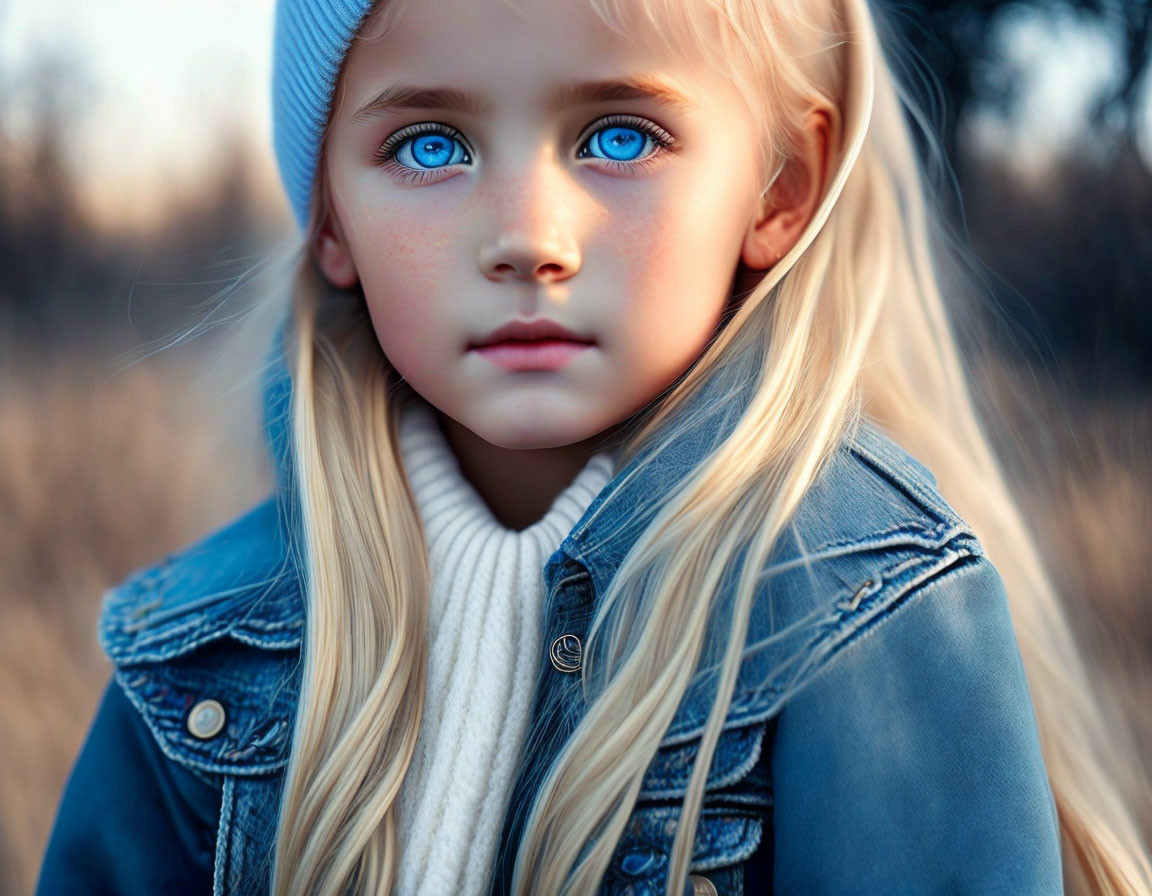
x=535, y=354
x=531, y=331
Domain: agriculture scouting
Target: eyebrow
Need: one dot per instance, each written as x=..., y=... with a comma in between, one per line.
x=622, y=89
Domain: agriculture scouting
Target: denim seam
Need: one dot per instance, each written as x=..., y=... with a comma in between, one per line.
x=168, y=623
x=746, y=821
x=245, y=638
x=896, y=537
x=949, y=563
x=223, y=837
x=128, y=654
x=910, y=534
x=879, y=455
x=196, y=603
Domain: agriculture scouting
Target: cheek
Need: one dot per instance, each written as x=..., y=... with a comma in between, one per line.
x=398, y=261
x=678, y=267
x=399, y=253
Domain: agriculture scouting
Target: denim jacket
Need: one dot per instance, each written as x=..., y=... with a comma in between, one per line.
x=909, y=763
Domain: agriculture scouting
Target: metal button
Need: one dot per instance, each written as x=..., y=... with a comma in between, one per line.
x=566, y=653
x=206, y=719
x=701, y=886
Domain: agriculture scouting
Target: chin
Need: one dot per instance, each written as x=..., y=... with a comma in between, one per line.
x=535, y=440
x=529, y=433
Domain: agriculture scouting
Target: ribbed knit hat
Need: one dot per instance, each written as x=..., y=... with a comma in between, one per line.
x=310, y=39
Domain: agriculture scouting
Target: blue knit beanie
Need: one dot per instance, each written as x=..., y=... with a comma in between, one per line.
x=310, y=40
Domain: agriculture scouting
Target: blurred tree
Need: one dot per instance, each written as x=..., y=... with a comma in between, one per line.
x=1074, y=252
x=1071, y=252
x=953, y=38
x=54, y=270
x=64, y=280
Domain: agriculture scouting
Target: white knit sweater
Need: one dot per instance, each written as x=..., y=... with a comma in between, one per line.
x=484, y=641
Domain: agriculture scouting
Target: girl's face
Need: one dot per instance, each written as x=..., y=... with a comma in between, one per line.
x=487, y=166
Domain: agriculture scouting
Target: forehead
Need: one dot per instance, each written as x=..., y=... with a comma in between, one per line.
x=481, y=44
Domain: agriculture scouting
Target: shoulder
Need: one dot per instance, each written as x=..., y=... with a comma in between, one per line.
x=871, y=532
x=913, y=761
x=237, y=581
x=872, y=492
x=216, y=624
x=872, y=526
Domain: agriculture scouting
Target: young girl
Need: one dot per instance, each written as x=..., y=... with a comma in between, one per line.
x=594, y=564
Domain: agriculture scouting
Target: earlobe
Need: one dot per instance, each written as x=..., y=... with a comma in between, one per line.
x=333, y=257
x=793, y=198
x=759, y=251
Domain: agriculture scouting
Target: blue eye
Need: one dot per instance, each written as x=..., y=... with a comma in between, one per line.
x=419, y=151
x=620, y=144
x=432, y=150
x=624, y=138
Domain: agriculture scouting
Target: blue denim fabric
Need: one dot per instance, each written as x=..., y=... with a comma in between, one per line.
x=909, y=763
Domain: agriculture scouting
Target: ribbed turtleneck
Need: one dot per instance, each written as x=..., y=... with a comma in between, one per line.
x=484, y=646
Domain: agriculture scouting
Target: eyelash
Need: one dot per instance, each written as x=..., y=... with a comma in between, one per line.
x=386, y=154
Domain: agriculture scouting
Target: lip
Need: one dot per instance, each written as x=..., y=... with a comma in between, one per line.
x=530, y=331
x=539, y=354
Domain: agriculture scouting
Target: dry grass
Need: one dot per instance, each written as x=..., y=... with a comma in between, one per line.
x=1085, y=475
x=101, y=474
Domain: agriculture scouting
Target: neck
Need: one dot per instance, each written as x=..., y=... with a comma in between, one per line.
x=519, y=485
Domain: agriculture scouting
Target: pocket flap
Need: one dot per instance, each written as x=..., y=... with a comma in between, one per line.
x=250, y=690
x=736, y=752
x=725, y=836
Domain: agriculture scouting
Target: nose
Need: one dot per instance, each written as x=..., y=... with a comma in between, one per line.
x=534, y=240
x=522, y=256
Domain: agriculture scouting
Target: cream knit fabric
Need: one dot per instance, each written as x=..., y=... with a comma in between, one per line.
x=484, y=642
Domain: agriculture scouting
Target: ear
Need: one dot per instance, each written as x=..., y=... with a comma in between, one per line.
x=792, y=201
x=333, y=256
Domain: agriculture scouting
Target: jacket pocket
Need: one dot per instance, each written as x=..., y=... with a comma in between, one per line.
x=737, y=801
x=250, y=699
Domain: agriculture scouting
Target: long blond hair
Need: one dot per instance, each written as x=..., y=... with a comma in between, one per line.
x=851, y=322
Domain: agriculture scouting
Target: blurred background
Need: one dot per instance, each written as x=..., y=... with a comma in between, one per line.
x=140, y=210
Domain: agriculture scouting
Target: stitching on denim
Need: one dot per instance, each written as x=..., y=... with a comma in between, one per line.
x=161, y=649
x=654, y=817
x=903, y=535
x=844, y=615
x=157, y=619
x=206, y=600
x=842, y=629
x=961, y=536
x=951, y=562
x=874, y=448
x=900, y=533
x=170, y=646
x=223, y=837
x=581, y=573
x=245, y=638
x=159, y=640
x=748, y=846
